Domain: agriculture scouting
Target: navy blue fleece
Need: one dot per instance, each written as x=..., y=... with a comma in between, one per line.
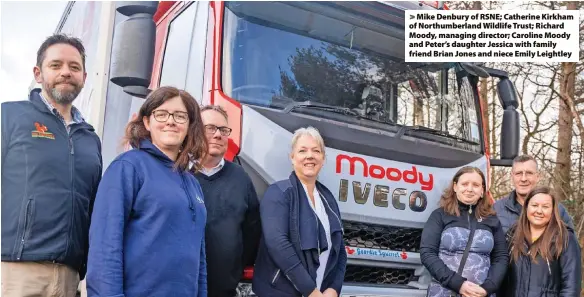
x=147, y=231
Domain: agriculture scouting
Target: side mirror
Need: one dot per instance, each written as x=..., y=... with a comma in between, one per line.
x=507, y=94
x=133, y=47
x=510, y=126
x=510, y=134
x=475, y=70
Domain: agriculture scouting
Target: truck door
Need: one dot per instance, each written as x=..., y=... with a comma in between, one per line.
x=182, y=61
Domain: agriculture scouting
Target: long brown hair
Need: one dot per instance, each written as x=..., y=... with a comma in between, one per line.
x=194, y=146
x=554, y=238
x=449, y=202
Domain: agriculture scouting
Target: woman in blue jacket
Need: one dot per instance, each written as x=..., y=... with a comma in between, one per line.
x=302, y=251
x=147, y=229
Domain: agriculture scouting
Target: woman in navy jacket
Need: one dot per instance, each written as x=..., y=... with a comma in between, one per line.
x=302, y=251
x=545, y=255
x=147, y=229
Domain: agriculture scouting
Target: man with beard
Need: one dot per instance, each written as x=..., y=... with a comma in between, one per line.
x=524, y=177
x=51, y=168
x=233, y=220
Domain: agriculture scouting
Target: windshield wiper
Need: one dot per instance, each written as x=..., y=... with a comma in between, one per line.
x=340, y=110
x=435, y=132
x=315, y=105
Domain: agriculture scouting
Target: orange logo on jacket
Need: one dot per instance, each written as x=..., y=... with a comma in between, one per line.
x=41, y=131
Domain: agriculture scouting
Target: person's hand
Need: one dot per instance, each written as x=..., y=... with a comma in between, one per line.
x=482, y=292
x=316, y=293
x=330, y=293
x=470, y=289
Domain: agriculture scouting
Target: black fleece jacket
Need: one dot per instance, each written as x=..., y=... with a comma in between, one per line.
x=446, y=235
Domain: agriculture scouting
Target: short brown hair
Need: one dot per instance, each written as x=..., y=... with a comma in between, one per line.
x=60, y=38
x=553, y=240
x=216, y=108
x=525, y=158
x=194, y=146
x=449, y=202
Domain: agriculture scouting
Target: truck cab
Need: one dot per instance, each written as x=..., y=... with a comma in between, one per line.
x=395, y=132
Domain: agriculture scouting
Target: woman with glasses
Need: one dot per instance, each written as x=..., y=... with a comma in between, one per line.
x=147, y=229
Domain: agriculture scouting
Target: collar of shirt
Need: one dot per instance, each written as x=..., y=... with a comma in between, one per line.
x=211, y=171
x=317, y=203
x=76, y=116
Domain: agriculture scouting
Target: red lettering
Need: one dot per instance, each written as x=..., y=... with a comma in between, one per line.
x=427, y=185
x=352, y=161
x=411, y=176
x=394, y=174
x=380, y=171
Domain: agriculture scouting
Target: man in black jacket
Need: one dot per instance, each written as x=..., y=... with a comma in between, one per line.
x=524, y=176
x=51, y=167
x=233, y=221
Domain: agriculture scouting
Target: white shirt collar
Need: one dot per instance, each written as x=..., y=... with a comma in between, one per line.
x=317, y=203
x=211, y=171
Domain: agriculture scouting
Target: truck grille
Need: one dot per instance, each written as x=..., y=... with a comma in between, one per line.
x=378, y=275
x=382, y=237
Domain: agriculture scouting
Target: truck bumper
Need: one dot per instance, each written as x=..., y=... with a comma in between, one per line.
x=366, y=291
x=244, y=290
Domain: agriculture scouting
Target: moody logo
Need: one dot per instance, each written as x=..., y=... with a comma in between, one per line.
x=413, y=176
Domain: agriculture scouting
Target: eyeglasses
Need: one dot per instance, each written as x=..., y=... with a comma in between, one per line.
x=211, y=129
x=179, y=117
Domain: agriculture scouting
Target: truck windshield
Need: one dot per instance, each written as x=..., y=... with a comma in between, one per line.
x=275, y=54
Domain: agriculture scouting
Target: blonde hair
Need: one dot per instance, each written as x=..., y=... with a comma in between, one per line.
x=308, y=131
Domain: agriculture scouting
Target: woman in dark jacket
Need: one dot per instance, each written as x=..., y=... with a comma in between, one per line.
x=147, y=229
x=302, y=251
x=464, y=210
x=545, y=256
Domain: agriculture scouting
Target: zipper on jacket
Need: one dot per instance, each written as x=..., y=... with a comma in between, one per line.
x=26, y=222
x=275, y=276
x=317, y=234
x=339, y=219
x=340, y=222
x=71, y=173
x=298, y=233
x=71, y=147
x=293, y=284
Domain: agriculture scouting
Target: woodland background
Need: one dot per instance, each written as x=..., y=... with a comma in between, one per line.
x=551, y=98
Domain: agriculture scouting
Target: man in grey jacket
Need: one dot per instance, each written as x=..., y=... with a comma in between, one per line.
x=524, y=176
